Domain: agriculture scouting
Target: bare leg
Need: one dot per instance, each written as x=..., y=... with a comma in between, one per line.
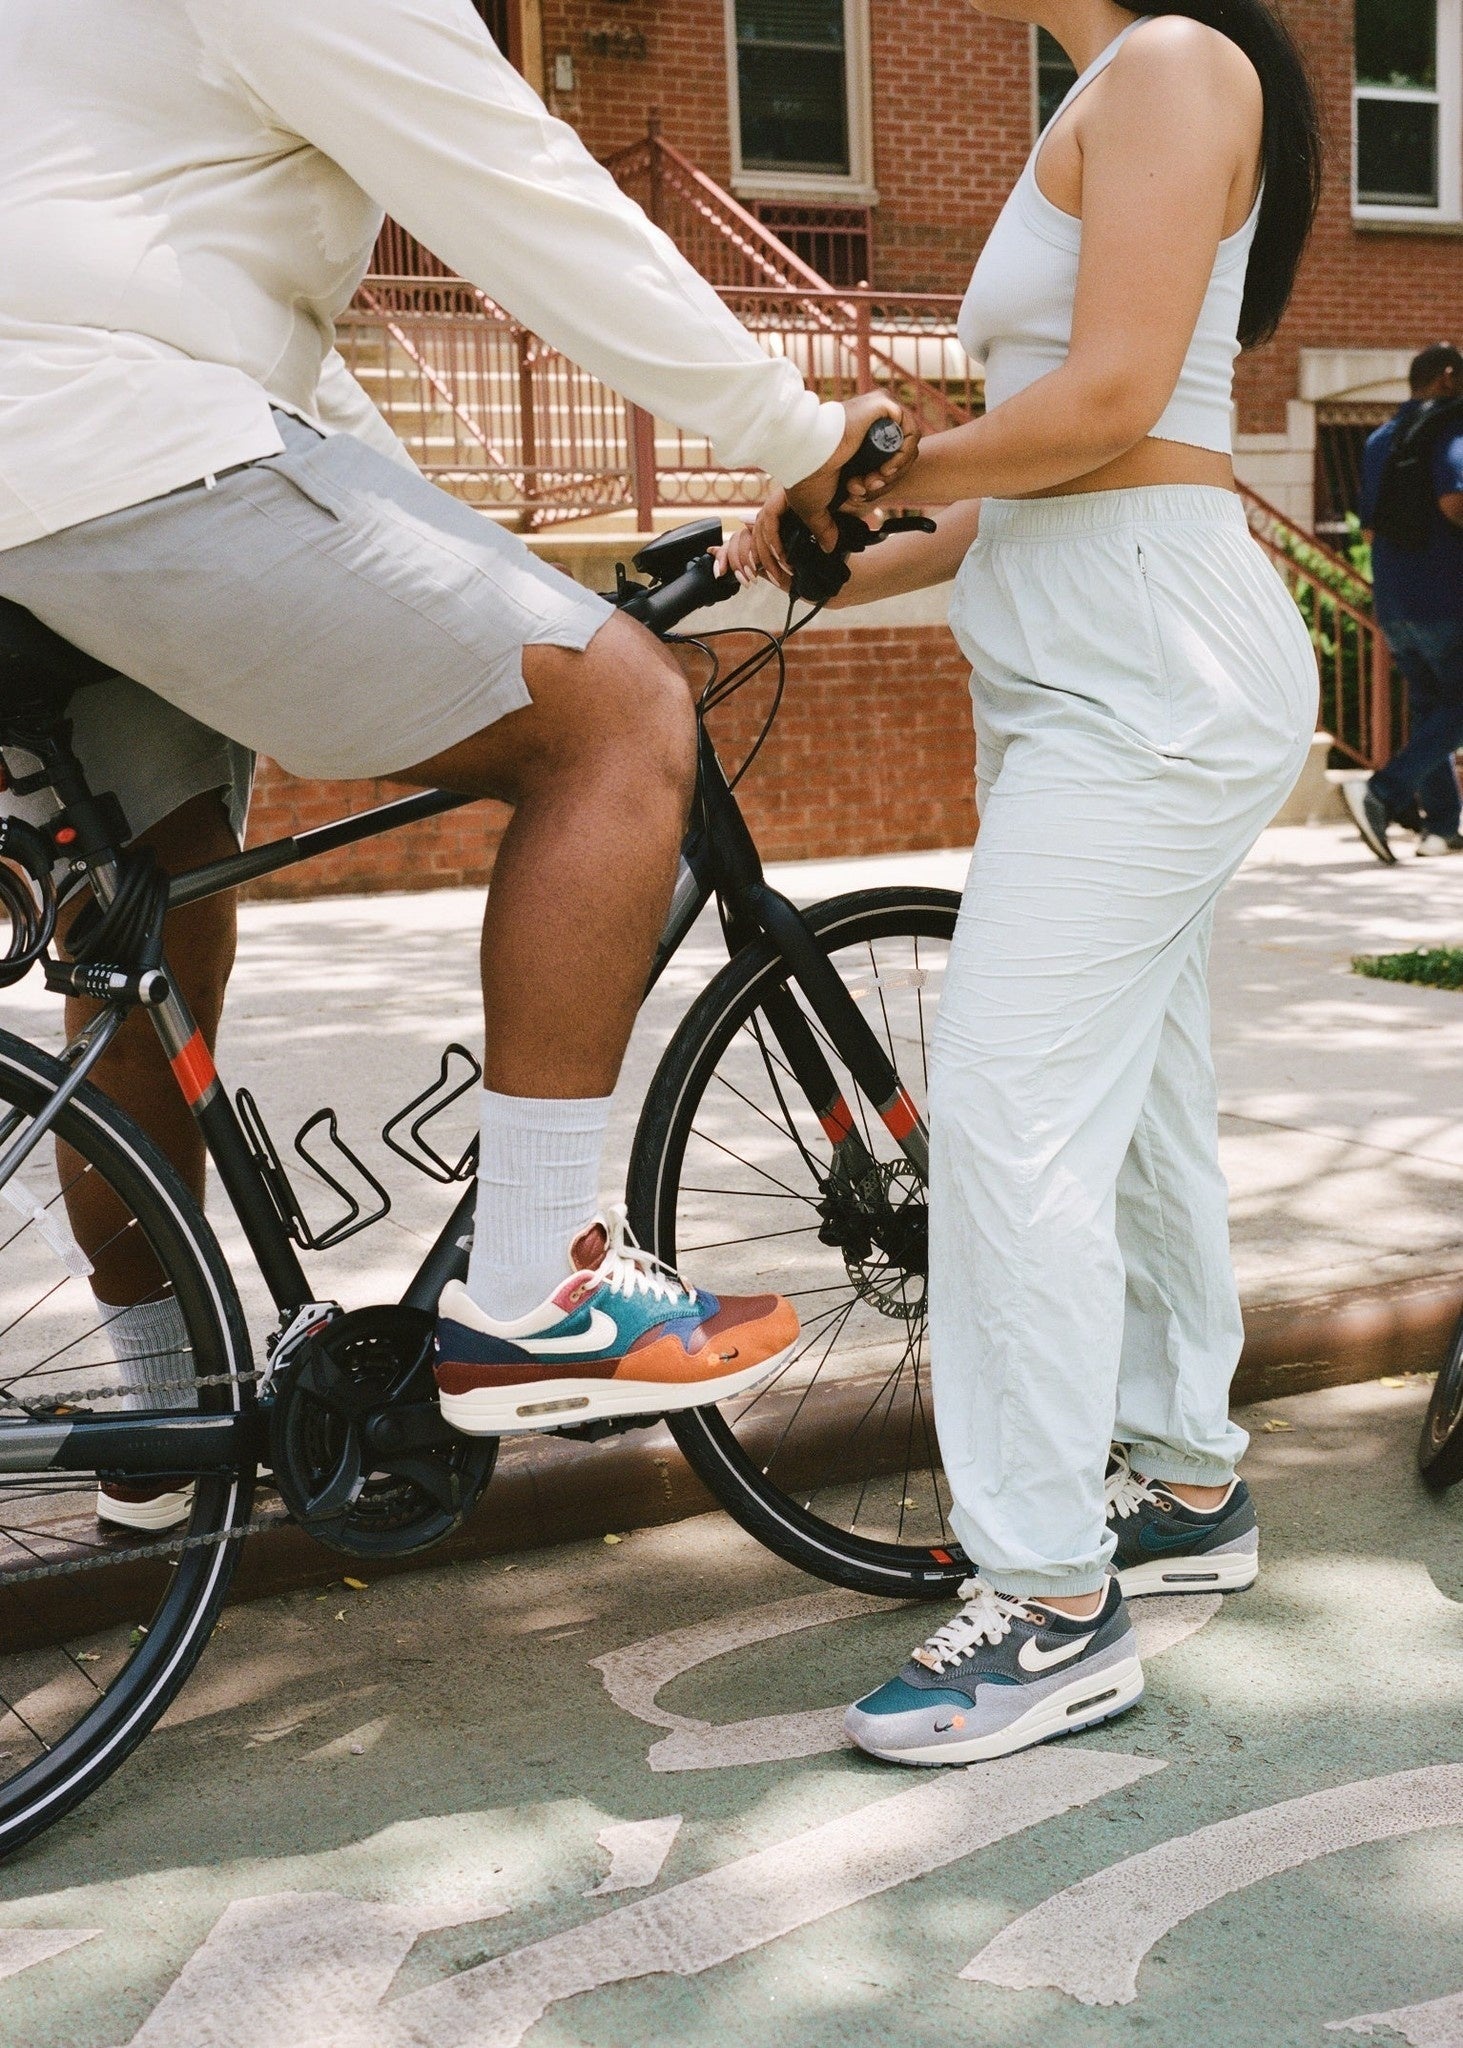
x=600, y=770
x=134, y=1070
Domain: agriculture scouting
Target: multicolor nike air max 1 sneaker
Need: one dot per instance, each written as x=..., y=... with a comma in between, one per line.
x=623, y=1335
x=1165, y=1546
x=1002, y=1675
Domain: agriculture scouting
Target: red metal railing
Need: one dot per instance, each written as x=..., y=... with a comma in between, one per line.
x=1361, y=710
x=493, y=412
x=728, y=245
x=497, y=415
x=837, y=241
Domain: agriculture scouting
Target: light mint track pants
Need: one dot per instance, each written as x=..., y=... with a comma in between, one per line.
x=1145, y=692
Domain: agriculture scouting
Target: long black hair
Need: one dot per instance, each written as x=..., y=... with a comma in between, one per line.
x=1291, y=151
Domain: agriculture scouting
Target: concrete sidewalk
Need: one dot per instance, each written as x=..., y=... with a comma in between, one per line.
x=1342, y=1098
x=595, y=1797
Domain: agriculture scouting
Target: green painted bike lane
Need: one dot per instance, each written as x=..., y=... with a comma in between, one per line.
x=596, y=1796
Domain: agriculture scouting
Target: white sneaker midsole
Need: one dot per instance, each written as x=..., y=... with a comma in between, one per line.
x=1087, y=1700
x=1228, y=1571
x=553, y=1404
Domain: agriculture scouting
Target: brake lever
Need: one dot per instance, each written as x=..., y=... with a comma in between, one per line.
x=902, y=522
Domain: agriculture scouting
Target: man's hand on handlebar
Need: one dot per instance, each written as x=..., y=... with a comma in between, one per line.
x=812, y=499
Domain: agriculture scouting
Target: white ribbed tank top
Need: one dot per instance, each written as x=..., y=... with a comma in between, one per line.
x=1016, y=318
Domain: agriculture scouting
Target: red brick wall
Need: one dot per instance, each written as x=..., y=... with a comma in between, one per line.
x=952, y=113
x=952, y=126
x=1358, y=287
x=872, y=753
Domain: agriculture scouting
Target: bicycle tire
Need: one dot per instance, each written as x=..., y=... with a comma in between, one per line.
x=1440, y=1447
x=772, y=1513
x=164, y=1649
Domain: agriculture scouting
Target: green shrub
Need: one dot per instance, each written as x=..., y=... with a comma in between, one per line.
x=1431, y=966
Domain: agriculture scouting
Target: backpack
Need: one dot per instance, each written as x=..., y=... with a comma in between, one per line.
x=1406, y=505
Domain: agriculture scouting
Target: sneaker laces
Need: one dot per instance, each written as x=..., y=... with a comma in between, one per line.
x=986, y=1617
x=1125, y=1492
x=628, y=1268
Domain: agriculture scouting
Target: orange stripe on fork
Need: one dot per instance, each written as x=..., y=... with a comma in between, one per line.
x=837, y=1121
x=194, y=1069
x=900, y=1116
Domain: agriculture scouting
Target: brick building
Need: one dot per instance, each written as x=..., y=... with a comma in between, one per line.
x=880, y=137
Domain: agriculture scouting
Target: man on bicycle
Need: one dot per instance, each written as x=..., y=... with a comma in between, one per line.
x=194, y=490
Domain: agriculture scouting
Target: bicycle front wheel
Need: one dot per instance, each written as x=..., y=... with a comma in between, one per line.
x=833, y=1464
x=1440, y=1451
x=99, y=1625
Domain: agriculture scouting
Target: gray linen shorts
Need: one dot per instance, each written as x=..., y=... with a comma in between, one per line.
x=326, y=606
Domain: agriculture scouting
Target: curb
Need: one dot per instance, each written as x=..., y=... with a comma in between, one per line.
x=551, y=1490
x=1333, y=1340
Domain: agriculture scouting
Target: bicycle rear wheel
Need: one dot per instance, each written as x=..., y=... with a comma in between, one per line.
x=99, y=1627
x=834, y=1464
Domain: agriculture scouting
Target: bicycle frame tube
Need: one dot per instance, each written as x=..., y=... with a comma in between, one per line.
x=755, y=910
x=718, y=858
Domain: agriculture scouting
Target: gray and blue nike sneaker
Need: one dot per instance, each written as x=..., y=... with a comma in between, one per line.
x=1002, y=1675
x=1165, y=1546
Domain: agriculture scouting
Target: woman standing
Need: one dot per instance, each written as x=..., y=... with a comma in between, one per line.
x=1144, y=694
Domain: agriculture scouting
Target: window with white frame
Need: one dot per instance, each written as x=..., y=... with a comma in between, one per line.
x=799, y=77
x=1407, y=129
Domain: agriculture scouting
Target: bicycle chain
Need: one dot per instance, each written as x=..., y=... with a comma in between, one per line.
x=47, y=1405
x=167, y=1547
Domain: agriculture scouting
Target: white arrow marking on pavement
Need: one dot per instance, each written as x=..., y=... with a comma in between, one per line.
x=272, y=1965
x=708, y=1919
x=20, y=1947
x=1161, y=1620
x=634, y=1676
x=1438, y=2024
x=638, y=1849
x=1089, y=1939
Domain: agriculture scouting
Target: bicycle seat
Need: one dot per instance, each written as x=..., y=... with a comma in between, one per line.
x=39, y=674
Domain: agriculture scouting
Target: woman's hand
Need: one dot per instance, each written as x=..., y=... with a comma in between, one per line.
x=749, y=553
x=902, y=563
x=736, y=555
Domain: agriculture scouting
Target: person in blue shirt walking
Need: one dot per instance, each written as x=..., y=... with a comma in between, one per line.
x=1419, y=607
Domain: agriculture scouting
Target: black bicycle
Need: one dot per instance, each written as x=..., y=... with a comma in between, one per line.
x=782, y=1145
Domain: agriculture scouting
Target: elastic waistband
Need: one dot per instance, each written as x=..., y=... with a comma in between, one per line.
x=1109, y=511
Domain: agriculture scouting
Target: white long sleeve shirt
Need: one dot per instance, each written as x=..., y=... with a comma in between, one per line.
x=189, y=194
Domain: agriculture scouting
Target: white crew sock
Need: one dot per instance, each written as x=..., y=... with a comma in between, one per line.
x=538, y=1182
x=150, y=1345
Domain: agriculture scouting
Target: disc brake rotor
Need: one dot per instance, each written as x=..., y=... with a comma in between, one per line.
x=881, y=1226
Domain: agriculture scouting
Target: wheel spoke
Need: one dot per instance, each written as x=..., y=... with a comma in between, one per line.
x=831, y=1458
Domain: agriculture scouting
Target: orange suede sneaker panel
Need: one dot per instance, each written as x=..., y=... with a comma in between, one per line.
x=740, y=1335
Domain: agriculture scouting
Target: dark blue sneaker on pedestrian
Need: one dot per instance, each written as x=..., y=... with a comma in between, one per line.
x=1370, y=817
x=1165, y=1546
x=1001, y=1676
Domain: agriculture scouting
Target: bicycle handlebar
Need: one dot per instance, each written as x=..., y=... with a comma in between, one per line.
x=664, y=607
x=816, y=576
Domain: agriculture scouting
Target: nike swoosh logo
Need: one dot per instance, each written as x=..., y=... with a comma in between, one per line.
x=1032, y=1657
x=1152, y=1536
x=602, y=1332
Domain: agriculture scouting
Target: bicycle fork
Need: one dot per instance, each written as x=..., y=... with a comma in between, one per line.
x=753, y=907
